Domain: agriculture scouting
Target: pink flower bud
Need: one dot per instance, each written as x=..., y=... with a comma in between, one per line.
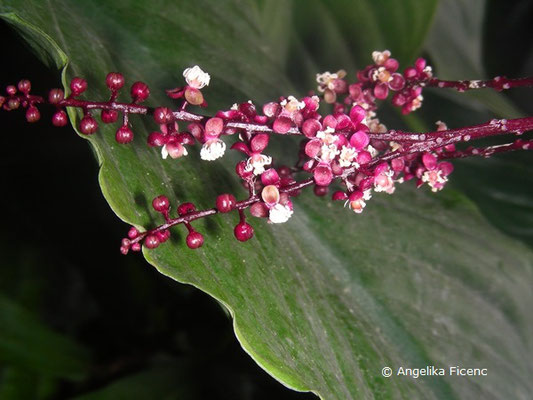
x=139, y=91
x=343, y=121
x=420, y=64
x=391, y=64
x=429, y=161
x=339, y=195
x=397, y=82
x=194, y=96
x=114, y=81
x=310, y=127
x=364, y=157
x=357, y=114
x=359, y=140
x=175, y=149
x=259, y=142
x=240, y=146
x=381, y=91
x=323, y=174
x=270, y=177
x=282, y=125
x=259, y=210
x=271, y=109
x=312, y=148
x=270, y=195
x=214, y=126
x=329, y=122
x=156, y=139
x=446, y=167
x=243, y=231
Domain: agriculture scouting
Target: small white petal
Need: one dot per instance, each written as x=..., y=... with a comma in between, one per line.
x=258, y=163
x=212, y=149
x=279, y=214
x=196, y=78
x=164, y=152
x=347, y=156
x=328, y=152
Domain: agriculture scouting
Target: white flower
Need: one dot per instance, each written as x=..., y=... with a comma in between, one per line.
x=416, y=103
x=434, y=179
x=328, y=152
x=196, y=78
x=291, y=104
x=165, y=153
x=384, y=182
x=279, y=214
x=212, y=149
x=327, y=79
x=327, y=135
x=375, y=126
x=257, y=163
x=373, y=152
x=358, y=205
x=346, y=159
x=380, y=57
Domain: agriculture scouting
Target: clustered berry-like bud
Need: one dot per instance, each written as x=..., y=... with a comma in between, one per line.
x=109, y=116
x=88, y=125
x=195, y=240
x=226, y=202
x=139, y=92
x=78, y=86
x=114, y=81
x=33, y=114
x=11, y=90
x=55, y=96
x=349, y=146
x=151, y=241
x=163, y=115
x=124, y=135
x=24, y=86
x=161, y=204
x=186, y=208
x=243, y=231
x=60, y=118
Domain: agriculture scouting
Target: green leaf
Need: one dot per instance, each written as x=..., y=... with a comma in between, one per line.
x=342, y=34
x=19, y=383
x=27, y=343
x=169, y=380
x=457, y=53
x=327, y=300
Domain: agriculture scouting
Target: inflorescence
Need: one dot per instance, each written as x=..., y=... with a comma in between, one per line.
x=349, y=146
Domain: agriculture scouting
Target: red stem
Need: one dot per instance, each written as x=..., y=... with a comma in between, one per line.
x=241, y=205
x=490, y=150
x=498, y=83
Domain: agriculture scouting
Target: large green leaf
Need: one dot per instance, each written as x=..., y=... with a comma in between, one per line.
x=165, y=380
x=26, y=342
x=326, y=301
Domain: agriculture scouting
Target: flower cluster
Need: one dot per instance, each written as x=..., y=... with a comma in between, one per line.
x=348, y=148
